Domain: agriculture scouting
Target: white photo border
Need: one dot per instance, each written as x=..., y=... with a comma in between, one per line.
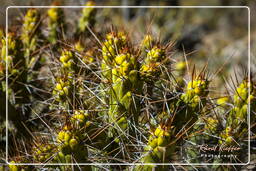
x=128, y=164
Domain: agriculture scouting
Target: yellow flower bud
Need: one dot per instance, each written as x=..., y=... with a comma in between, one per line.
x=67, y=136
x=58, y=86
x=222, y=101
x=65, y=90
x=158, y=131
x=61, y=135
x=229, y=140
x=88, y=123
x=52, y=13
x=197, y=90
x=153, y=143
x=147, y=41
x=161, y=141
x=73, y=142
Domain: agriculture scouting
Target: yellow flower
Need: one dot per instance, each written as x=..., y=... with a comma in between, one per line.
x=53, y=14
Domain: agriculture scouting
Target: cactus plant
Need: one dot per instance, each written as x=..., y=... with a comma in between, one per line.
x=56, y=25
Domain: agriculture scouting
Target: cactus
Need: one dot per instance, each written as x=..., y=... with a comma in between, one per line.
x=159, y=149
x=87, y=18
x=29, y=35
x=13, y=167
x=121, y=70
x=44, y=152
x=150, y=68
x=87, y=56
x=191, y=103
x=64, y=83
x=17, y=72
x=236, y=126
x=56, y=25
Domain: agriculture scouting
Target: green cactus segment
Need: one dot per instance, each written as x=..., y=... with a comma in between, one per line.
x=15, y=56
x=17, y=69
x=67, y=60
x=159, y=149
x=236, y=125
x=44, y=152
x=62, y=90
x=64, y=83
x=194, y=90
x=120, y=68
x=188, y=107
x=55, y=23
x=71, y=138
x=88, y=17
x=29, y=35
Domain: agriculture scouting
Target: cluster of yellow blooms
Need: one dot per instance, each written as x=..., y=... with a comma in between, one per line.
x=67, y=140
x=152, y=62
x=67, y=59
x=29, y=34
x=159, y=149
x=236, y=125
x=113, y=45
x=13, y=46
x=222, y=101
x=55, y=23
x=195, y=89
x=80, y=119
x=62, y=90
x=71, y=136
x=88, y=56
x=44, y=152
x=211, y=125
x=64, y=85
x=158, y=144
x=88, y=16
